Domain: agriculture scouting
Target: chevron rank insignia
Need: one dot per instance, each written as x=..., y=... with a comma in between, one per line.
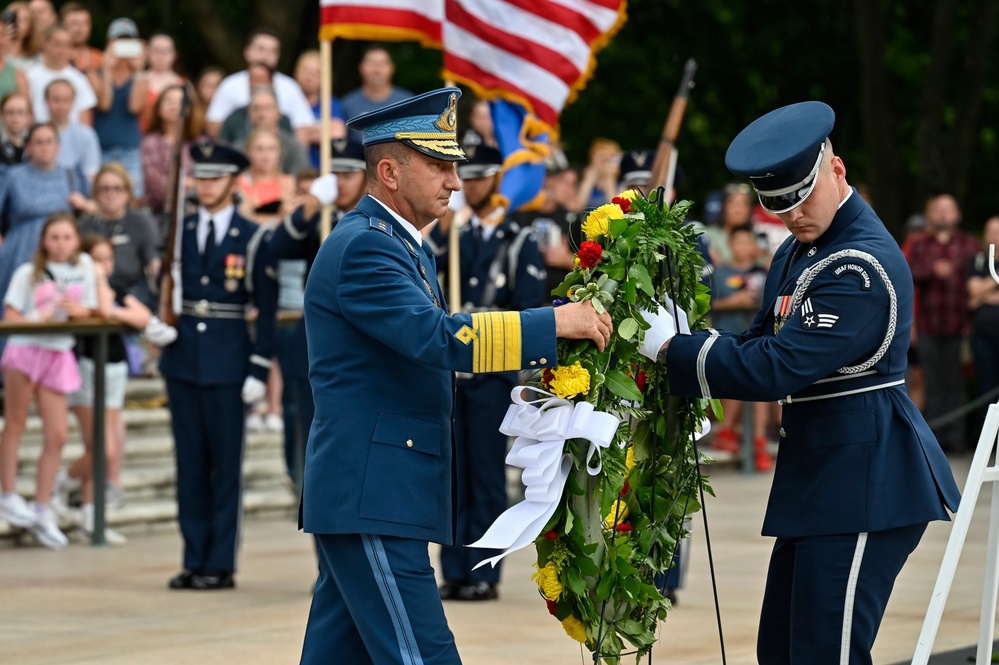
x=810, y=320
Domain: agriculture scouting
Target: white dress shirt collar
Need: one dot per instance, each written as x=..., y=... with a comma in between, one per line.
x=222, y=220
x=412, y=230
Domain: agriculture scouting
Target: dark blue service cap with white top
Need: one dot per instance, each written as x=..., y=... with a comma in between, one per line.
x=636, y=167
x=781, y=152
x=427, y=123
x=346, y=156
x=212, y=160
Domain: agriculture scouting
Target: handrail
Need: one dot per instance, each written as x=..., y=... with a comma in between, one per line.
x=99, y=329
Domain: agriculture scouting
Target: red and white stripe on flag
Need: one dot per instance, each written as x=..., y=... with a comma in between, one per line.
x=537, y=53
x=385, y=20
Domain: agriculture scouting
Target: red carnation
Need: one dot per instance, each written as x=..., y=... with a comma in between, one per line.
x=625, y=488
x=623, y=528
x=551, y=535
x=551, y=606
x=589, y=254
x=640, y=382
x=622, y=203
x=546, y=378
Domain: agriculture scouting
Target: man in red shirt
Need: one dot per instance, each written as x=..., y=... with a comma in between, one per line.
x=939, y=261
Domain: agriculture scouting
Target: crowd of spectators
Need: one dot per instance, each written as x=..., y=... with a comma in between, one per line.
x=92, y=132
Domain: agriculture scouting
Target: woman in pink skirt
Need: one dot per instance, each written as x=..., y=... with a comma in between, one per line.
x=58, y=285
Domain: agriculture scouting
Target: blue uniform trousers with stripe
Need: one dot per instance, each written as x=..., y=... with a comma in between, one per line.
x=826, y=595
x=376, y=603
x=208, y=427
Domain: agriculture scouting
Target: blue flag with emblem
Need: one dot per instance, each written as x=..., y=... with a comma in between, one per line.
x=523, y=140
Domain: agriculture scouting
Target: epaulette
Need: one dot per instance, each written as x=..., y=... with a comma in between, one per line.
x=381, y=225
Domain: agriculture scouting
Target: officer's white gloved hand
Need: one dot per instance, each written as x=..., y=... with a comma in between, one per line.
x=683, y=327
x=325, y=189
x=253, y=391
x=159, y=333
x=663, y=329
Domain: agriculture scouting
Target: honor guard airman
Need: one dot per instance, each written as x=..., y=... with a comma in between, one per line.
x=859, y=474
x=379, y=467
x=210, y=365
x=500, y=269
x=298, y=238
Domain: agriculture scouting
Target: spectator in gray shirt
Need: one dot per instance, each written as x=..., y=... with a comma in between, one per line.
x=264, y=115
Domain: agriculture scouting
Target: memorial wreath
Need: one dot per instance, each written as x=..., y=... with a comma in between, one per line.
x=610, y=467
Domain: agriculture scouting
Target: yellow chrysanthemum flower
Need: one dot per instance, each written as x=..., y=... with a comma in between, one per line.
x=598, y=222
x=629, y=459
x=618, y=511
x=547, y=579
x=570, y=380
x=574, y=628
x=630, y=194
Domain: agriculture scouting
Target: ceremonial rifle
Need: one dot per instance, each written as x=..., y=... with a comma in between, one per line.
x=664, y=165
x=175, y=211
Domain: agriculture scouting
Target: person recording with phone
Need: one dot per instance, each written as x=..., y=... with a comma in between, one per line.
x=11, y=79
x=121, y=96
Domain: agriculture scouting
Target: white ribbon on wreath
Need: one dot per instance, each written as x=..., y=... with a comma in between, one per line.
x=542, y=427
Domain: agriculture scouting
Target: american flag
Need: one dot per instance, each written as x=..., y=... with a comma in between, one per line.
x=537, y=53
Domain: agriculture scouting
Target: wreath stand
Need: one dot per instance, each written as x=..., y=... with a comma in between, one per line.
x=980, y=474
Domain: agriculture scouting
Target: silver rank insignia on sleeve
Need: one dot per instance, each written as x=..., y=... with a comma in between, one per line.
x=810, y=320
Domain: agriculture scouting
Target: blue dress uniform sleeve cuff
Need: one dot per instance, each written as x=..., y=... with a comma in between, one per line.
x=683, y=357
x=538, y=349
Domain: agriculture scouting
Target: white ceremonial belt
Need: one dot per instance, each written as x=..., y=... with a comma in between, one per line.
x=542, y=427
x=213, y=310
x=812, y=398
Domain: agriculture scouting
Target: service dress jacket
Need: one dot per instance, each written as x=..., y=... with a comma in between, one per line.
x=830, y=343
x=382, y=356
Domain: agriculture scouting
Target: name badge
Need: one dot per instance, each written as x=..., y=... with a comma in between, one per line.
x=120, y=239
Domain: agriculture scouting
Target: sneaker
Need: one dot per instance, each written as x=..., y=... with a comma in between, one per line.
x=64, y=486
x=47, y=531
x=254, y=423
x=111, y=537
x=114, y=496
x=15, y=511
x=762, y=458
x=274, y=423
x=726, y=441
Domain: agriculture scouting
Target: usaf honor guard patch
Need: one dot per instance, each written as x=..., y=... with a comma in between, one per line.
x=810, y=320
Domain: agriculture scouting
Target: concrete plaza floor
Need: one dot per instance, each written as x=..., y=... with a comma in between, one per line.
x=111, y=605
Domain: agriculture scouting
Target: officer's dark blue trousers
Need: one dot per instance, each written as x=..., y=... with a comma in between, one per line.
x=297, y=402
x=208, y=424
x=480, y=449
x=376, y=603
x=826, y=595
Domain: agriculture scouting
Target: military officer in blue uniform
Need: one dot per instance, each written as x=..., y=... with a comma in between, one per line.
x=859, y=474
x=212, y=367
x=298, y=237
x=379, y=470
x=500, y=268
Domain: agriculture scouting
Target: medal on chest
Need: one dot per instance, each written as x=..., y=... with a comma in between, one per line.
x=235, y=270
x=782, y=312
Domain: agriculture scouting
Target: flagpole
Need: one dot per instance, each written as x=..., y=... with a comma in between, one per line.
x=325, y=111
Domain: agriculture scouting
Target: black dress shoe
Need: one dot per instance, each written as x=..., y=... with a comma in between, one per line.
x=213, y=581
x=184, y=580
x=448, y=590
x=477, y=591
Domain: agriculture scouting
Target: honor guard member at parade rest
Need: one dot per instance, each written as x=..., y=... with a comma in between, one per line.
x=859, y=474
x=299, y=237
x=501, y=269
x=212, y=367
x=379, y=471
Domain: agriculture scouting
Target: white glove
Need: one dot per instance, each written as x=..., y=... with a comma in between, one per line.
x=325, y=189
x=664, y=327
x=253, y=391
x=159, y=333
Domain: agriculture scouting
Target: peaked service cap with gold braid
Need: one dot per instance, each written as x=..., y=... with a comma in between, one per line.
x=426, y=123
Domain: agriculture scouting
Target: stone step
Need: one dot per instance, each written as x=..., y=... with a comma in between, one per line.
x=141, y=447
x=132, y=518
